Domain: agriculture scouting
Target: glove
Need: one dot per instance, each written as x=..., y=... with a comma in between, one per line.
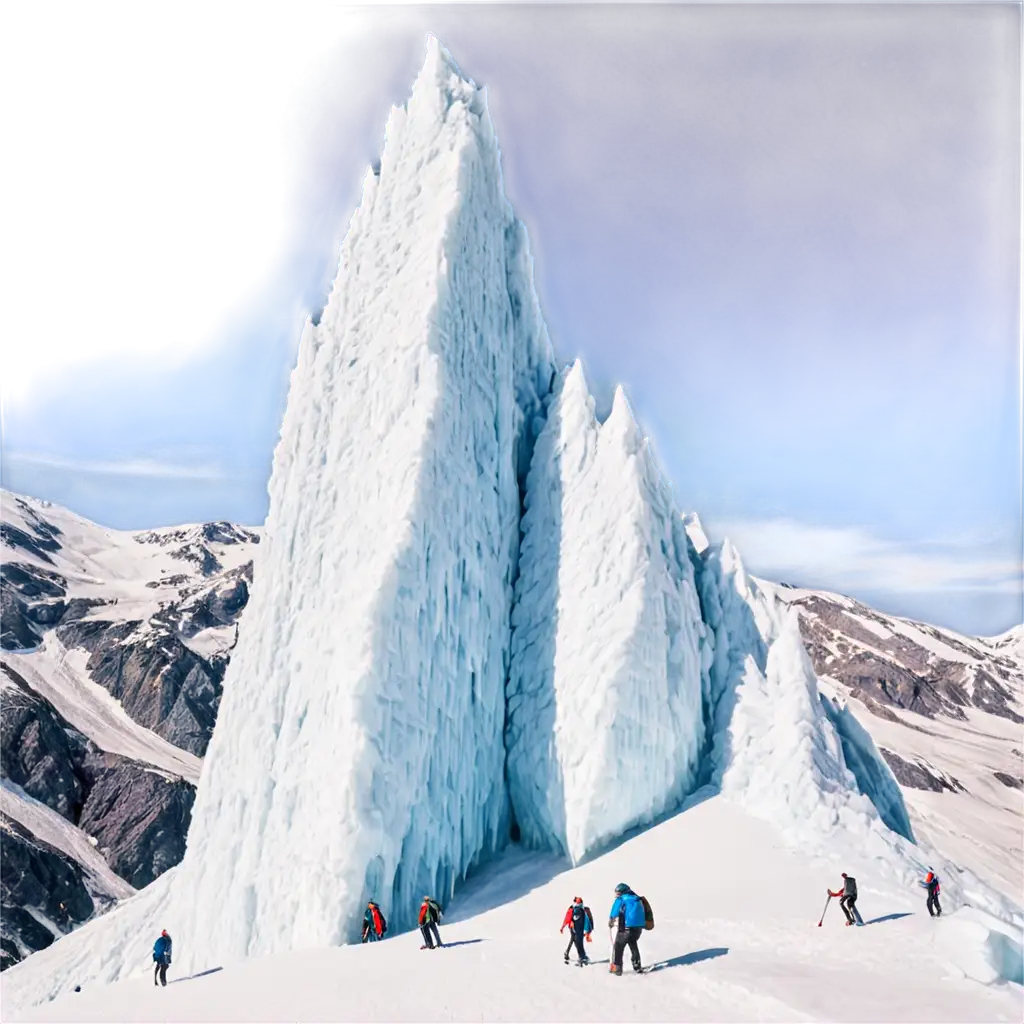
x=562, y=929
x=590, y=938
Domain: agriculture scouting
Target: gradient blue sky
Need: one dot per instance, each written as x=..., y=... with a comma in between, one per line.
x=792, y=233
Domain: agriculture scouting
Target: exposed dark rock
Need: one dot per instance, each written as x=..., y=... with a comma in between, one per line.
x=920, y=774
x=38, y=546
x=139, y=817
x=32, y=581
x=993, y=696
x=1009, y=780
x=35, y=876
x=38, y=749
x=208, y=606
x=162, y=684
x=883, y=667
x=16, y=630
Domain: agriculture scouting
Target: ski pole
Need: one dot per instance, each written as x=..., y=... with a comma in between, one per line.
x=827, y=902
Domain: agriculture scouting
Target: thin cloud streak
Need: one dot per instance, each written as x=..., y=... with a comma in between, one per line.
x=852, y=559
x=126, y=467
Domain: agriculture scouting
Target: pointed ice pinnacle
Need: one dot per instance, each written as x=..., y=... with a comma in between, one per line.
x=358, y=752
x=607, y=635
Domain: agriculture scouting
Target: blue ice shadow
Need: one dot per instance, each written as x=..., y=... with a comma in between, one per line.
x=692, y=958
x=461, y=942
x=888, y=917
x=200, y=974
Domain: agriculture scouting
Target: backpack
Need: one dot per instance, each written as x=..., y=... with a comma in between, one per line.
x=435, y=910
x=380, y=921
x=648, y=914
x=850, y=887
x=588, y=920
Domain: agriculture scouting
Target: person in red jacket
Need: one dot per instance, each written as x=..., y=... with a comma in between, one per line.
x=430, y=914
x=580, y=922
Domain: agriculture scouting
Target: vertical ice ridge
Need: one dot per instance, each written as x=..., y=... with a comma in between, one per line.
x=378, y=657
x=606, y=639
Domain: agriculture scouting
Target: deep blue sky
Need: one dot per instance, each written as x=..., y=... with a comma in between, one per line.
x=792, y=233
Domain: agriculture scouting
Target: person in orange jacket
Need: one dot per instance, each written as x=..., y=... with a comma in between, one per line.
x=580, y=922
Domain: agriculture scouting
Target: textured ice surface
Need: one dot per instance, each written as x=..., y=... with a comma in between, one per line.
x=358, y=753
x=604, y=717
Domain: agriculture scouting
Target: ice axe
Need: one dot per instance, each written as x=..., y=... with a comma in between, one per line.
x=828, y=900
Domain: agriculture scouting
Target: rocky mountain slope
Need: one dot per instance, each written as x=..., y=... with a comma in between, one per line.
x=114, y=647
x=945, y=711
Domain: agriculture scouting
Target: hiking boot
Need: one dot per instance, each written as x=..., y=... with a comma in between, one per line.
x=615, y=969
x=637, y=966
x=566, y=959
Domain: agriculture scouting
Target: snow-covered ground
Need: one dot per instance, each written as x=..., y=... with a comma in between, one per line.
x=736, y=912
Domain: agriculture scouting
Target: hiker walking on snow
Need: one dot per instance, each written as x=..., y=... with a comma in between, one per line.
x=430, y=914
x=161, y=958
x=628, y=916
x=931, y=883
x=848, y=898
x=374, y=925
x=580, y=922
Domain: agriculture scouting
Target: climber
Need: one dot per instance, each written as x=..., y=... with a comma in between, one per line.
x=430, y=914
x=848, y=898
x=374, y=925
x=931, y=883
x=628, y=916
x=580, y=922
x=161, y=958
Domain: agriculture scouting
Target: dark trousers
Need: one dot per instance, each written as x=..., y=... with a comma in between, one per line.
x=431, y=936
x=847, y=903
x=627, y=937
x=933, y=904
x=577, y=938
x=160, y=972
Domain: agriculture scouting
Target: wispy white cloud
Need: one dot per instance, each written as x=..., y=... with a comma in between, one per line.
x=853, y=559
x=125, y=467
x=184, y=452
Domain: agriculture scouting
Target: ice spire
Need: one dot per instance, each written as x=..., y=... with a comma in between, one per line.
x=604, y=724
x=358, y=751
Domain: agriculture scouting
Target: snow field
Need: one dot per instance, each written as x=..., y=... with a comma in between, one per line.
x=736, y=910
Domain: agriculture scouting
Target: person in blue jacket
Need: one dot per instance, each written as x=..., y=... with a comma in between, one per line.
x=161, y=958
x=627, y=916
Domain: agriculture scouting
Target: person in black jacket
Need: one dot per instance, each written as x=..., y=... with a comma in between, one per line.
x=848, y=898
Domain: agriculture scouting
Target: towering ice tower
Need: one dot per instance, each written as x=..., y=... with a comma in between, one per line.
x=358, y=752
x=605, y=722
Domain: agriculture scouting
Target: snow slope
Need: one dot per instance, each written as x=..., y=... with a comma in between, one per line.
x=607, y=635
x=58, y=832
x=736, y=910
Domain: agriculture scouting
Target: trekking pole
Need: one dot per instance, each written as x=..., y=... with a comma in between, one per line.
x=827, y=902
